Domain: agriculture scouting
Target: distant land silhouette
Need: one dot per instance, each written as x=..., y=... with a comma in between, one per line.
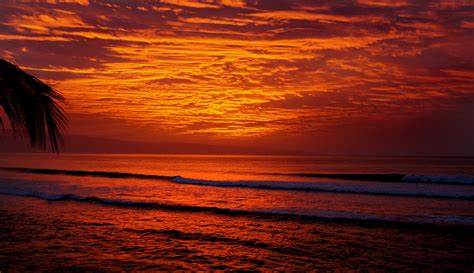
x=86, y=144
x=91, y=144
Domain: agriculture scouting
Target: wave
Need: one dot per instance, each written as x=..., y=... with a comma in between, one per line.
x=91, y=173
x=180, y=235
x=375, y=188
x=441, y=179
x=341, y=217
x=371, y=189
x=393, y=177
x=215, y=238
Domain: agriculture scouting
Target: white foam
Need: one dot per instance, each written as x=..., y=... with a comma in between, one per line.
x=48, y=196
x=384, y=188
x=459, y=179
x=330, y=215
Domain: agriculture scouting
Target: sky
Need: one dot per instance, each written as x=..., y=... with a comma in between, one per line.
x=324, y=77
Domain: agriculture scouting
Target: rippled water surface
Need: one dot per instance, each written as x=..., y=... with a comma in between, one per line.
x=118, y=212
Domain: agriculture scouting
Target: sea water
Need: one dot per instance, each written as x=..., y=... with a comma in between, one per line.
x=171, y=212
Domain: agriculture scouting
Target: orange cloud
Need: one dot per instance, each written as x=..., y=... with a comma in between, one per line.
x=190, y=3
x=80, y=2
x=384, y=3
x=301, y=15
x=43, y=21
x=235, y=69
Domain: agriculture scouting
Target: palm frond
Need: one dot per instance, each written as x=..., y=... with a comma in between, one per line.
x=32, y=107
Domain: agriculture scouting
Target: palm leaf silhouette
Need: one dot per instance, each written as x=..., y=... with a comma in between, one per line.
x=32, y=107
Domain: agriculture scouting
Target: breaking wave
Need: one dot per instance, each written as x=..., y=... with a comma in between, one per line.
x=393, y=177
x=414, y=186
x=336, y=187
x=343, y=217
x=90, y=173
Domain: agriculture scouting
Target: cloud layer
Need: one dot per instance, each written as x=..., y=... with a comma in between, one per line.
x=247, y=69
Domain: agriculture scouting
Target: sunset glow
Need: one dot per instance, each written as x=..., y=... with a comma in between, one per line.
x=238, y=71
x=236, y=135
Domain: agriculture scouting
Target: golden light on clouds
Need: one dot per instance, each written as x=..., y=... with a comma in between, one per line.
x=235, y=68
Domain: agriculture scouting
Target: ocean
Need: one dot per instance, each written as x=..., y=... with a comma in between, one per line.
x=221, y=212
